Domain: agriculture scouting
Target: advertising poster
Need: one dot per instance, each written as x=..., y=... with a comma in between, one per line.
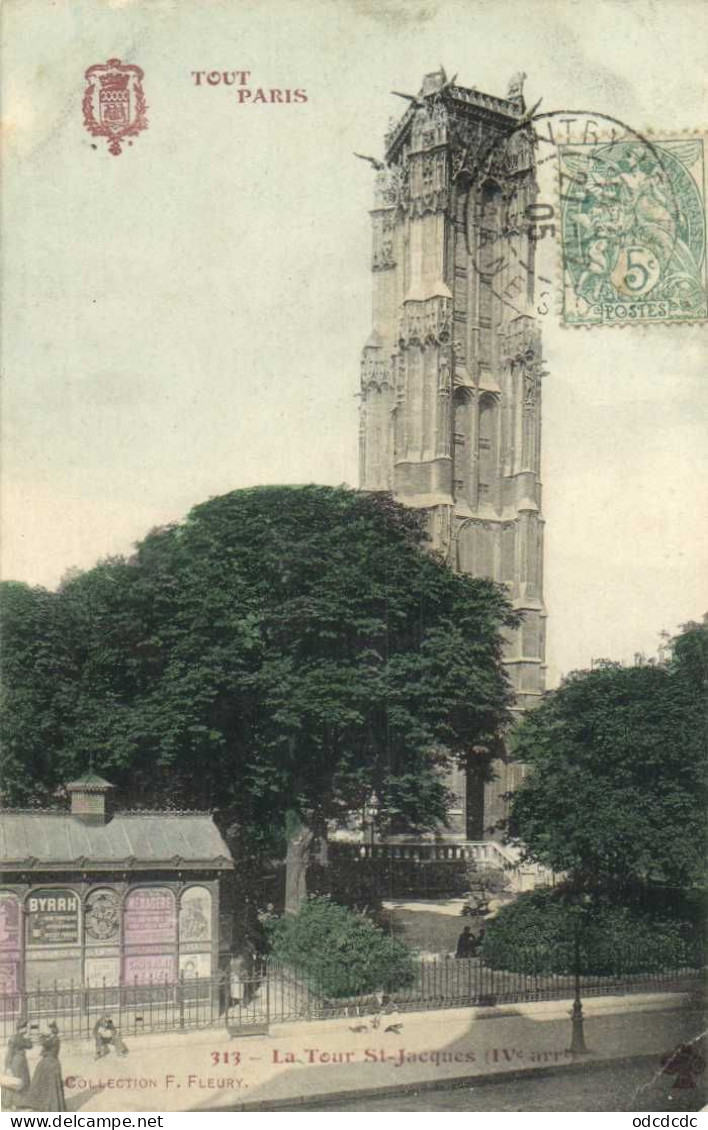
x=195, y=915
x=149, y=917
x=49, y=976
x=53, y=918
x=102, y=917
x=156, y=969
x=354, y=498
x=9, y=922
x=10, y=946
x=193, y=965
x=102, y=971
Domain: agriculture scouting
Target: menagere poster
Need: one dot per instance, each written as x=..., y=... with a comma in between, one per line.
x=195, y=304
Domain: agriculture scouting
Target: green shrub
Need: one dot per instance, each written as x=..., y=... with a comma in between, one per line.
x=537, y=933
x=339, y=952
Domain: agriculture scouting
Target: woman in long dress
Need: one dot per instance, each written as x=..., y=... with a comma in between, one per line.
x=16, y=1065
x=47, y=1089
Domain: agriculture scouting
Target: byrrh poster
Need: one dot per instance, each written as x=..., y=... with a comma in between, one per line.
x=354, y=556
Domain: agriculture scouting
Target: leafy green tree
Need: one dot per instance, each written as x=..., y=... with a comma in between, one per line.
x=279, y=655
x=616, y=785
x=38, y=693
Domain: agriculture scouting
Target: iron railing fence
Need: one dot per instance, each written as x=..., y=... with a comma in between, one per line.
x=524, y=975
x=276, y=993
x=152, y=1006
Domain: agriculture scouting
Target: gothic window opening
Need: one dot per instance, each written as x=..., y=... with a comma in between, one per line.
x=486, y=451
x=463, y=452
x=490, y=259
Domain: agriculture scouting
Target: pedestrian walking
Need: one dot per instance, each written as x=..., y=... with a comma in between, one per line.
x=47, y=1089
x=16, y=1068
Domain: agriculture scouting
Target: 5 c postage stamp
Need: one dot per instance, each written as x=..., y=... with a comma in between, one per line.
x=633, y=231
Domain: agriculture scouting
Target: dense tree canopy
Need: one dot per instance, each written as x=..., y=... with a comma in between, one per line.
x=281, y=650
x=616, y=789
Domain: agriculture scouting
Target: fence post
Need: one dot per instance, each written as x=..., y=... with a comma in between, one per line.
x=180, y=998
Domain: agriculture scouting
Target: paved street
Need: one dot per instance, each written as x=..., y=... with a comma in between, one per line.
x=207, y=1070
x=600, y=1088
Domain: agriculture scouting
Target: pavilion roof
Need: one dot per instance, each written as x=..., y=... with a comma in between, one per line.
x=55, y=840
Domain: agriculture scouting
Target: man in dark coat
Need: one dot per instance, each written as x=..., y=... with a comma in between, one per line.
x=466, y=944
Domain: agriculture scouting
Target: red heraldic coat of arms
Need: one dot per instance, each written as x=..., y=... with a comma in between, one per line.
x=114, y=102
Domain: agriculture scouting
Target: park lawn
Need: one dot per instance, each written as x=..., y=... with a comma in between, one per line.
x=426, y=931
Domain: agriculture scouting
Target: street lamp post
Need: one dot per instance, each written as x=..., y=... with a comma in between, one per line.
x=371, y=809
x=577, y=1040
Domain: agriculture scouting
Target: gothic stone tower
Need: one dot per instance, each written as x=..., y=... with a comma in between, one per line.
x=451, y=374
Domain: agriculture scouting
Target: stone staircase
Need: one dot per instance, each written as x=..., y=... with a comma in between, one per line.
x=523, y=874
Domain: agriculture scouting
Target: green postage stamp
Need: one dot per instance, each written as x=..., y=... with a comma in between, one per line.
x=633, y=231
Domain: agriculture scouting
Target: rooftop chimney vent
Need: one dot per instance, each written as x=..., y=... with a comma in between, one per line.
x=88, y=798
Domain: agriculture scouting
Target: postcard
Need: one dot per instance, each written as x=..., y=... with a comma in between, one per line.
x=354, y=555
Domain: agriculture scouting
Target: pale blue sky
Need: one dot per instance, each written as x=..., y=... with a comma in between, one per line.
x=187, y=318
